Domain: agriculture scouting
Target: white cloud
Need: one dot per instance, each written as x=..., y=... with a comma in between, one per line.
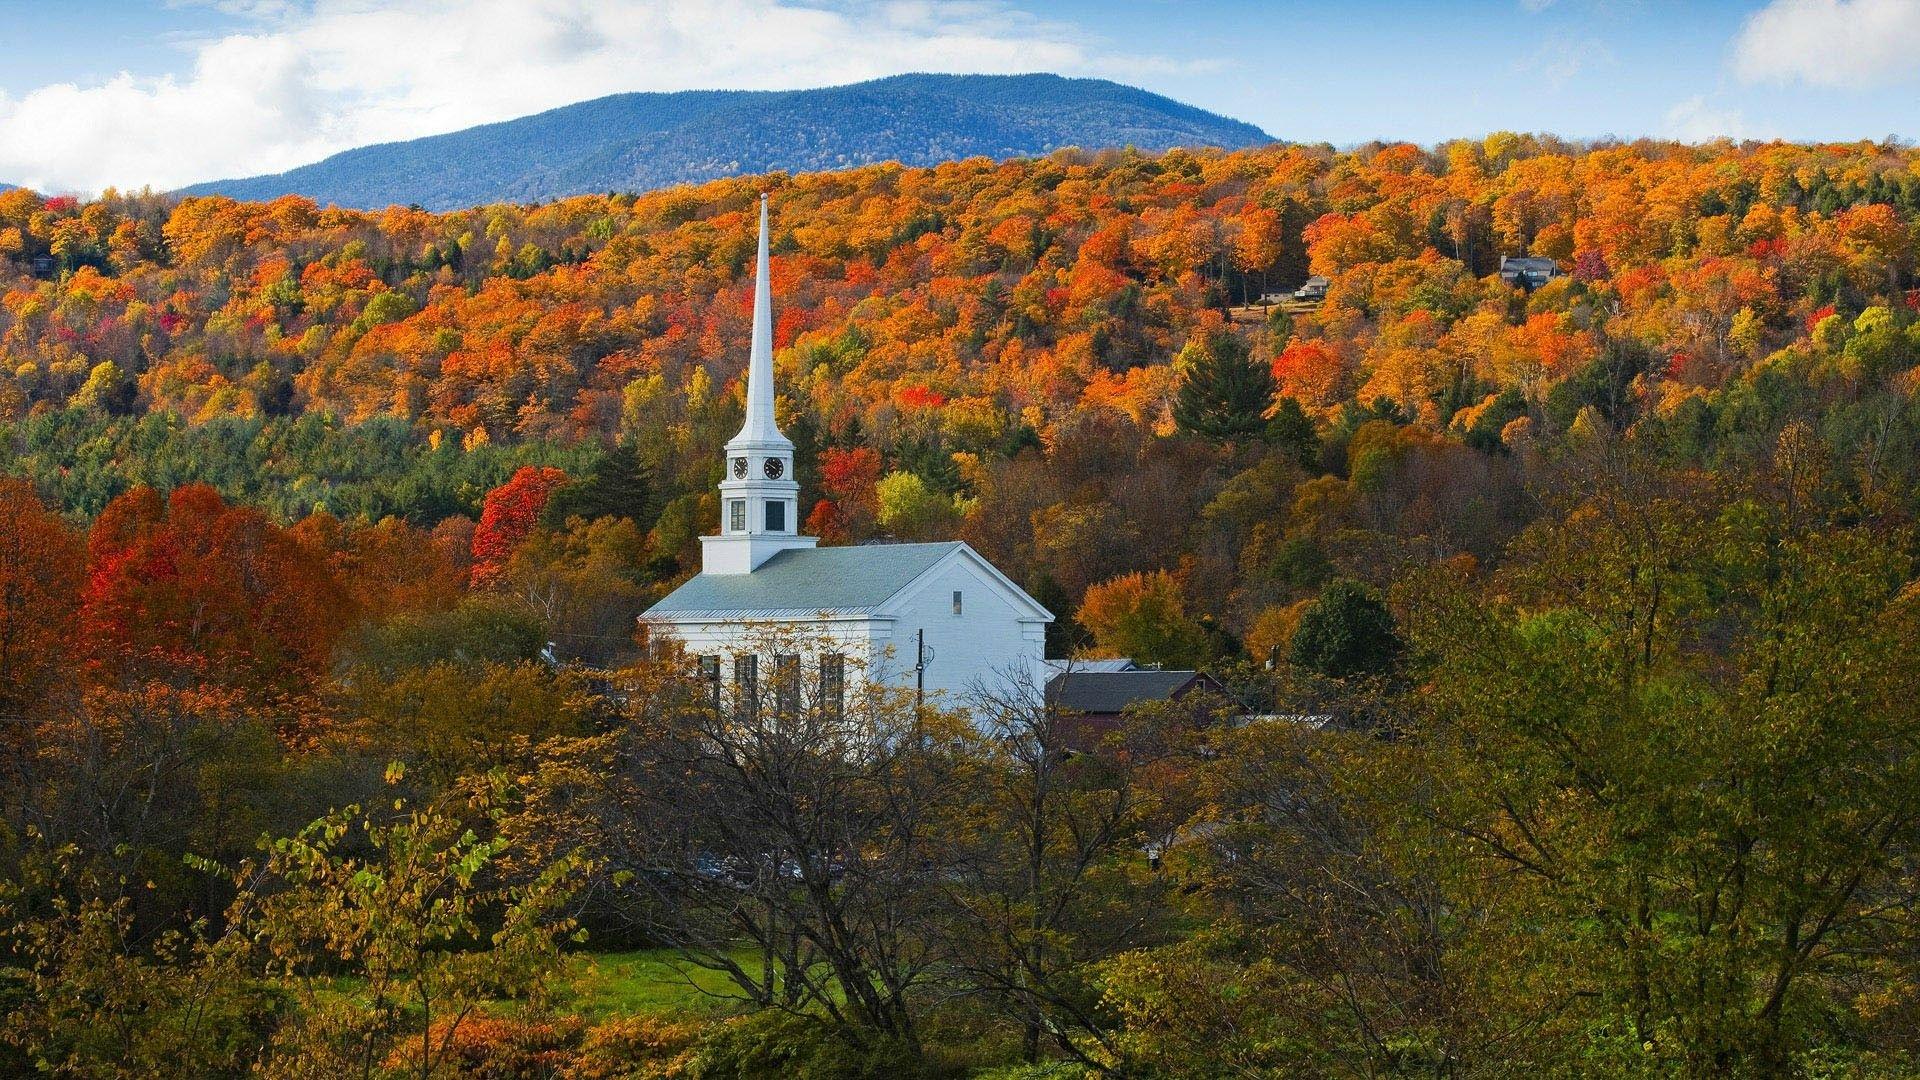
x=318, y=76
x=1694, y=121
x=1559, y=59
x=1832, y=43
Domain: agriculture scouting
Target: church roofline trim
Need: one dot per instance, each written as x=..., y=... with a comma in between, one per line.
x=963, y=551
x=752, y=615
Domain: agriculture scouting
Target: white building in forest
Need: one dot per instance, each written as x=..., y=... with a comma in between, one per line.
x=938, y=615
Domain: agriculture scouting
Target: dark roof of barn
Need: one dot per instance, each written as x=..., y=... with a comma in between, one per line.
x=1113, y=691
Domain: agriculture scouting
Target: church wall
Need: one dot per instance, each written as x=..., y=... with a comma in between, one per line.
x=981, y=644
x=852, y=638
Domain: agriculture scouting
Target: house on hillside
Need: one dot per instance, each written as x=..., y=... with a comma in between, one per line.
x=1527, y=272
x=1314, y=289
x=938, y=618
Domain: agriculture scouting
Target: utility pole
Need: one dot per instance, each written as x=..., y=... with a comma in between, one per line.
x=921, y=656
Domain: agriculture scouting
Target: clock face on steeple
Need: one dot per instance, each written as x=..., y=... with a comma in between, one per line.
x=774, y=467
x=739, y=468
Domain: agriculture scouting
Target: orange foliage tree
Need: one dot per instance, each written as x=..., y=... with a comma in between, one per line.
x=1143, y=616
x=42, y=560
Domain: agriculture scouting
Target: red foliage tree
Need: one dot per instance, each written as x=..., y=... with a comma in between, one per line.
x=192, y=585
x=828, y=523
x=847, y=478
x=507, y=516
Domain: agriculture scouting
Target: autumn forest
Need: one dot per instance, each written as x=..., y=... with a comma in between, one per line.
x=1575, y=619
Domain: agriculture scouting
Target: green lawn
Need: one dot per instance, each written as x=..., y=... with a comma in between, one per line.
x=654, y=982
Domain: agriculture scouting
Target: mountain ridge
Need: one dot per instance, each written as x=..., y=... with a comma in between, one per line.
x=645, y=141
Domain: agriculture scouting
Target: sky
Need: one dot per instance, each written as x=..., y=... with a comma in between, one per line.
x=161, y=93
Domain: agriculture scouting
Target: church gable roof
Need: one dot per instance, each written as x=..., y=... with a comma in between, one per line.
x=806, y=581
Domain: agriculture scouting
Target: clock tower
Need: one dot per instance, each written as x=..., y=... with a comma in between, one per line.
x=759, y=498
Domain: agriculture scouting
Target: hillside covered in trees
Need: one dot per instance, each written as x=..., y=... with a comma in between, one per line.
x=994, y=351
x=1581, y=616
x=640, y=142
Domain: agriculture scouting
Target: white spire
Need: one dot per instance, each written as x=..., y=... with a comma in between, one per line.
x=760, y=426
x=759, y=500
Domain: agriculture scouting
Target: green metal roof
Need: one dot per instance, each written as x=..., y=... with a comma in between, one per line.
x=806, y=581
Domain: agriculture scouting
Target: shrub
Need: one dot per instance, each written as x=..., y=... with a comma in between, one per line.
x=635, y=1048
x=494, y=1047
x=782, y=1046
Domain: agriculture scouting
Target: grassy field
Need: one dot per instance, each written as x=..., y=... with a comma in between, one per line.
x=654, y=982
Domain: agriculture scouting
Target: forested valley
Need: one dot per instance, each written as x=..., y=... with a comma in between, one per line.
x=1567, y=627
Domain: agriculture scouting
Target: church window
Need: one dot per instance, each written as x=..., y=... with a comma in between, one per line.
x=786, y=686
x=746, y=686
x=737, y=515
x=776, y=515
x=833, y=686
x=956, y=601
x=710, y=680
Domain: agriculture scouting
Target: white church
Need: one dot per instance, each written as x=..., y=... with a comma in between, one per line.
x=937, y=616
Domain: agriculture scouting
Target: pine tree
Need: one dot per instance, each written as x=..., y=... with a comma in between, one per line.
x=1292, y=430
x=1065, y=636
x=617, y=485
x=1224, y=393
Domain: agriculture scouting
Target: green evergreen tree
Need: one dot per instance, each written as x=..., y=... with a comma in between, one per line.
x=617, y=485
x=1346, y=632
x=1224, y=393
x=1292, y=430
x=1064, y=636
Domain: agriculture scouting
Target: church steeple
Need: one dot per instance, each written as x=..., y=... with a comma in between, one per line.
x=760, y=426
x=759, y=499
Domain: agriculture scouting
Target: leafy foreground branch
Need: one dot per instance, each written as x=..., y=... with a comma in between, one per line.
x=359, y=947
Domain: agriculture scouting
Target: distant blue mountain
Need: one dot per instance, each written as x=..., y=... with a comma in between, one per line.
x=638, y=142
